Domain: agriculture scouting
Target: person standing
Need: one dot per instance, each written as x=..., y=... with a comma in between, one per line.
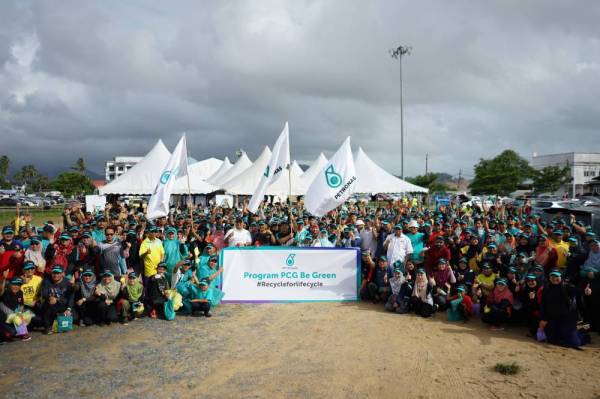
x=151, y=253
x=398, y=246
x=238, y=236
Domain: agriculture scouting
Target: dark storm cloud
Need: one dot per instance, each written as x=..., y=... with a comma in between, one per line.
x=108, y=78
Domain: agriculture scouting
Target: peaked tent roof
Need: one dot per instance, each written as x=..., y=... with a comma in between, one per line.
x=198, y=172
x=241, y=165
x=142, y=178
x=309, y=175
x=281, y=187
x=206, y=168
x=296, y=169
x=225, y=166
x=371, y=178
x=246, y=182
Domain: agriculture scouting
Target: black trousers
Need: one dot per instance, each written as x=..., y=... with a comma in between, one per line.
x=106, y=313
x=200, y=307
x=423, y=309
x=49, y=313
x=86, y=313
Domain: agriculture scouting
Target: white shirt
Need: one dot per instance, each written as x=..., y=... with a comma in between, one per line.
x=398, y=248
x=241, y=236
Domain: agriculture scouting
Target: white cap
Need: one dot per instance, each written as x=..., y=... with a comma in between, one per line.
x=413, y=223
x=360, y=223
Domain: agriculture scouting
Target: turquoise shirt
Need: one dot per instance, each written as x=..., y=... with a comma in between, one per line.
x=418, y=245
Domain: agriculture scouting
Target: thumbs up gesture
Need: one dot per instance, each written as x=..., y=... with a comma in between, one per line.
x=587, y=290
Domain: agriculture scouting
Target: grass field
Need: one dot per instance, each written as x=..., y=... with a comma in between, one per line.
x=39, y=216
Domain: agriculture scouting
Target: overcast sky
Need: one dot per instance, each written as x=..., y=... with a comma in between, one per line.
x=106, y=78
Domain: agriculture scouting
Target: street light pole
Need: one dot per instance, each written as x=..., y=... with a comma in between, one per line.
x=398, y=53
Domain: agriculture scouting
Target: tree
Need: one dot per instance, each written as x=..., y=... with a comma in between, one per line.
x=73, y=183
x=500, y=175
x=79, y=166
x=33, y=179
x=550, y=178
x=4, y=166
x=429, y=181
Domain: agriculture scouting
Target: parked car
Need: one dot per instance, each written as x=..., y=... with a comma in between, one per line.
x=24, y=201
x=8, y=202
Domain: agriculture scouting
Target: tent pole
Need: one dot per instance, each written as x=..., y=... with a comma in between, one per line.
x=189, y=189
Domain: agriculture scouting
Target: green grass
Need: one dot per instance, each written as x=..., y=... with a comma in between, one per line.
x=507, y=368
x=39, y=216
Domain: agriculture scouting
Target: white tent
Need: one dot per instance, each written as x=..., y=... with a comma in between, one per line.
x=281, y=187
x=225, y=166
x=371, y=178
x=206, y=168
x=142, y=178
x=197, y=182
x=296, y=169
x=316, y=167
x=246, y=182
x=241, y=165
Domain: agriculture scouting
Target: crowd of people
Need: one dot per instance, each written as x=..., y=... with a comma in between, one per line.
x=504, y=265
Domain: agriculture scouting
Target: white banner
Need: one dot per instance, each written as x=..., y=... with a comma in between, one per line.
x=290, y=274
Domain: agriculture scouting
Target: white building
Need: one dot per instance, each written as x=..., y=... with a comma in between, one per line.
x=118, y=166
x=584, y=167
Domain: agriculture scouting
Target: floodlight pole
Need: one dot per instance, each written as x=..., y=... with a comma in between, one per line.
x=398, y=53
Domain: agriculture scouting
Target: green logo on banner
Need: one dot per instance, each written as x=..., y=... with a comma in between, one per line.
x=290, y=260
x=334, y=180
x=267, y=171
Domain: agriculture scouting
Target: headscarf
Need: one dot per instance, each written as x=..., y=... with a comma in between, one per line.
x=396, y=283
x=134, y=291
x=420, y=289
x=111, y=290
x=442, y=276
x=498, y=296
x=87, y=289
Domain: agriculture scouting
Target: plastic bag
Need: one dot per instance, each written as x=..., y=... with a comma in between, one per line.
x=540, y=336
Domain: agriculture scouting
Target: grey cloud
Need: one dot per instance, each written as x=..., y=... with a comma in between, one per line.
x=109, y=78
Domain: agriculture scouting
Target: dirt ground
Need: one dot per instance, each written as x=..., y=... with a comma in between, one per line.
x=300, y=350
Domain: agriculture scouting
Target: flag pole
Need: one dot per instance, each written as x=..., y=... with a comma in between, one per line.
x=290, y=194
x=188, y=185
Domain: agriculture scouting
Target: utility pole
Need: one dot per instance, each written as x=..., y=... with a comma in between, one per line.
x=459, y=179
x=398, y=53
x=426, y=164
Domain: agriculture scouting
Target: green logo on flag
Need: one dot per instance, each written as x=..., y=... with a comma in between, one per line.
x=165, y=177
x=267, y=171
x=290, y=260
x=334, y=180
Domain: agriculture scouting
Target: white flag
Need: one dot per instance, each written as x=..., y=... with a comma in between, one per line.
x=280, y=159
x=158, y=205
x=334, y=183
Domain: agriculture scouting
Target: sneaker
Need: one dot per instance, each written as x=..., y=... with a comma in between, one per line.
x=48, y=331
x=207, y=314
x=496, y=328
x=153, y=314
x=25, y=337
